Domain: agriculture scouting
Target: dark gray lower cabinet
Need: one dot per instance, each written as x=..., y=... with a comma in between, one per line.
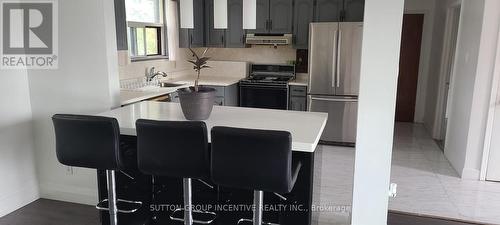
x=303, y=15
x=225, y=95
x=298, y=98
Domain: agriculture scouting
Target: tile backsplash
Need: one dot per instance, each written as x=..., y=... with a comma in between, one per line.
x=224, y=61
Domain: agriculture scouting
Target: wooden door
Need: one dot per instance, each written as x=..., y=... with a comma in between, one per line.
x=411, y=41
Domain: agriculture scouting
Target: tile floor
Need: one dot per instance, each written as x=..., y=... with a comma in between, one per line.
x=427, y=184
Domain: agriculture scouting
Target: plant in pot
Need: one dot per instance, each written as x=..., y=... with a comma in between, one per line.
x=197, y=101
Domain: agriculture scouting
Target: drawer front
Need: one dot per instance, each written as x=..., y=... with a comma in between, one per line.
x=298, y=90
x=297, y=104
x=219, y=90
x=219, y=101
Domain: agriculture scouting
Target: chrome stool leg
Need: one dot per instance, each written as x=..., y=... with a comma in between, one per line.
x=188, y=207
x=188, y=210
x=111, y=203
x=258, y=204
x=113, y=210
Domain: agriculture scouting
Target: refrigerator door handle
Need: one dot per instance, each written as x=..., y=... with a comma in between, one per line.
x=334, y=99
x=334, y=58
x=337, y=80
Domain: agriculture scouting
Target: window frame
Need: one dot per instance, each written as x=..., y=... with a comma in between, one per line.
x=161, y=31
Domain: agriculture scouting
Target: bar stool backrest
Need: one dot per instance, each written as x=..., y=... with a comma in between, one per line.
x=252, y=159
x=87, y=141
x=173, y=148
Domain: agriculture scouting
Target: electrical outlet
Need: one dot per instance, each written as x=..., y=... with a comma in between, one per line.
x=393, y=190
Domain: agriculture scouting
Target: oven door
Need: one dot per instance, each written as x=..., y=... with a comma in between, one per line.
x=264, y=96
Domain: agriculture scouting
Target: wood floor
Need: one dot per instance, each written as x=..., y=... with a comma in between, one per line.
x=49, y=212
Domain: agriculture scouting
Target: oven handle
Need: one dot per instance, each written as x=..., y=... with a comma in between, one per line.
x=264, y=87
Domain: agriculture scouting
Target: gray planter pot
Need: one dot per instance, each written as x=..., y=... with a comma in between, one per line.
x=197, y=105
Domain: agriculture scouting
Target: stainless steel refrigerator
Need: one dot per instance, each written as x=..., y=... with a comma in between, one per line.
x=334, y=71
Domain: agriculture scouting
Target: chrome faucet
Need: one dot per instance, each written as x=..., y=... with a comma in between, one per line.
x=152, y=74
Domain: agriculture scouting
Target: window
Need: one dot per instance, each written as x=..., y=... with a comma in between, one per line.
x=146, y=29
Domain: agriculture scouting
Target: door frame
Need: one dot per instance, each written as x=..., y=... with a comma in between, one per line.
x=491, y=114
x=447, y=67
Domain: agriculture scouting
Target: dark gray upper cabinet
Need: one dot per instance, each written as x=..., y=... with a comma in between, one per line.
x=274, y=16
x=328, y=10
x=235, y=35
x=280, y=16
x=354, y=10
x=214, y=37
x=197, y=34
x=194, y=38
x=303, y=15
x=121, y=25
x=262, y=24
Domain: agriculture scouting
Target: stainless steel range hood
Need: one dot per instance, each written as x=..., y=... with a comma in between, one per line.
x=269, y=39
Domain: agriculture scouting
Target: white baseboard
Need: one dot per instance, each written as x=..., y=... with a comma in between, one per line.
x=18, y=199
x=470, y=174
x=67, y=193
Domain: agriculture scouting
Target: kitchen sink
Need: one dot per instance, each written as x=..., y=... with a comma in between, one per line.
x=164, y=84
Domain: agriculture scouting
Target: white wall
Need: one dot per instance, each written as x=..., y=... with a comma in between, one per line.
x=86, y=82
x=435, y=61
x=482, y=89
x=18, y=183
x=472, y=85
x=379, y=68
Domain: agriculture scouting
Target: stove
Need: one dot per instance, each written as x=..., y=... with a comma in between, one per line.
x=266, y=86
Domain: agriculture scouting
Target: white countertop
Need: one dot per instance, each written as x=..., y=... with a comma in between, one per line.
x=306, y=127
x=300, y=81
x=133, y=96
x=205, y=80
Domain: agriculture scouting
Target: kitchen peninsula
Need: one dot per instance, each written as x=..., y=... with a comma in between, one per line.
x=305, y=128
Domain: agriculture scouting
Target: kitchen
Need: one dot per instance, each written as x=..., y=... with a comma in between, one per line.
x=282, y=84
x=117, y=85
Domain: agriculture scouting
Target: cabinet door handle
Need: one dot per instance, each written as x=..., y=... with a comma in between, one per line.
x=222, y=39
x=270, y=24
x=191, y=39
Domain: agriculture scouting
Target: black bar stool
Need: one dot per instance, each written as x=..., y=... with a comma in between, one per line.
x=258, y=160
x=176, y=149
x=93, y=142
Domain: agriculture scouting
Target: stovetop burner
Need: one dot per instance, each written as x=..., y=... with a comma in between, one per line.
x=270, y=74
